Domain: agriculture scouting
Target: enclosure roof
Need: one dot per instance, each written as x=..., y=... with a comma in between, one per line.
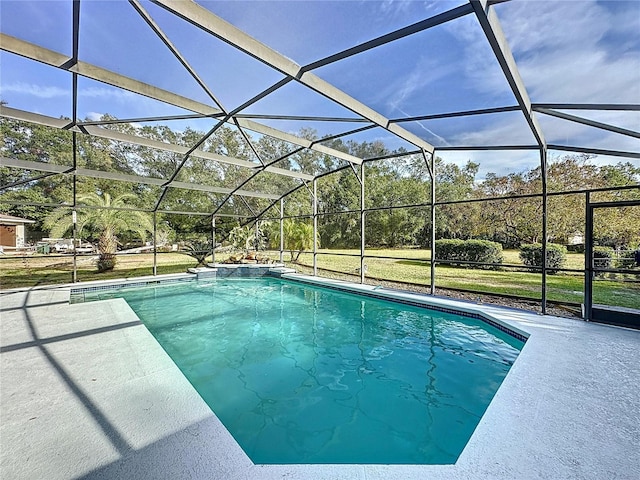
x=420, y=77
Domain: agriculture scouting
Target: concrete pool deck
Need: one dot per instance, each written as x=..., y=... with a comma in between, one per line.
x=86, y=392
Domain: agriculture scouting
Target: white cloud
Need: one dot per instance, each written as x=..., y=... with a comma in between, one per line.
x=499, y=162
x=477, y=63
x=565, y=132
x=506, y=129
x=389, y=7
x=427, y=71
x=624, y=119
x=400, y=91
x=94, y=116
x=431, y=133
x=34, y=90
x=589, y=76
x=430, y=7
x=535, y=26
x=565, y=52
x=108, y=93
x=494, y=131
x=120, y=103
x=39, y=91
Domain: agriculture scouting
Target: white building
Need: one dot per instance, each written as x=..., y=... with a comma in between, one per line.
x=12, y=231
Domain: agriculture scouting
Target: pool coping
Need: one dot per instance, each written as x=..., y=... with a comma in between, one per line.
x=568, y=408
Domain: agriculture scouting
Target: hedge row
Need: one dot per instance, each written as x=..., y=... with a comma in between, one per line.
x=458, y=252
x=480, y=251
x=531, y=255
x=627, y=259
x=606, y=257
x=603, y=257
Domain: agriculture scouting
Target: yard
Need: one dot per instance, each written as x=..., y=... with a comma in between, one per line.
x=400, y=265
x=412, y=266
x=47, y=270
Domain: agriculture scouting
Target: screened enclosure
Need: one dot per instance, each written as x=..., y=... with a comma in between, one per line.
x=460, y=148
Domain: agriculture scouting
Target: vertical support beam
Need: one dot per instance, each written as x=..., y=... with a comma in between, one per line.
x=74, y=59
x=315, y=227
x=74, y=275
x=213, y=239
x=74, y=219
x=588, y=259
x=257, y=235
x=433, y=222
x=281, y=230
x=155, y=244
x=362, y=224
x=75, y=33
x=74, y=114
x=543, y=164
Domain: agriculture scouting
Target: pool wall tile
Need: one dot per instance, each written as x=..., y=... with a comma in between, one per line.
x=77, y=294
x=242, y=271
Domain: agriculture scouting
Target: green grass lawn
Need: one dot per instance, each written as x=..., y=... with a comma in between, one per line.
x=44, y=270
x=406, y=265
x=565, y=287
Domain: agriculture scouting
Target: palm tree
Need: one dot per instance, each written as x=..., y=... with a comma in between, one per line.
x=104, y=219
x=199, y=250
x=247, y=238
x=298, y=237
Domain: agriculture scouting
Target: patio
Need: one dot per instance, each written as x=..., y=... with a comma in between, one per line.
x=88, y=393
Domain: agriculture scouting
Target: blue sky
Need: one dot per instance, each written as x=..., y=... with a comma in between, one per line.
x=567, y=51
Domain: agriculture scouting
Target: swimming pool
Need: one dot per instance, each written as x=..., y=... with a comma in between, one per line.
x=303, y=374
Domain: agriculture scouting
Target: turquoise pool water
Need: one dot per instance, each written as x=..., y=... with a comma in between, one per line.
x=303, y=374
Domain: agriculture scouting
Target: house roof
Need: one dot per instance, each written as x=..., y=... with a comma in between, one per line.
x=11, y=220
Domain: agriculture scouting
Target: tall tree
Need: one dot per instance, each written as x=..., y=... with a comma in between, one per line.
x=454, y=183
x=511, y=221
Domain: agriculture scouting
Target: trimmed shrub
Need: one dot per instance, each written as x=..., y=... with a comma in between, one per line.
x=481, y=251
x=531, y=255
x=603, y=257
x=627, y=259
x=576, y=248
x=449, y=249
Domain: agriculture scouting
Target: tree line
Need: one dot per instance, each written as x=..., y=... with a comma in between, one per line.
x=393, y=186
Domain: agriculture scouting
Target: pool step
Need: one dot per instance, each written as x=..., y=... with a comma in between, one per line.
x=279, y=271
x=203, y=272
x=240, y=270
